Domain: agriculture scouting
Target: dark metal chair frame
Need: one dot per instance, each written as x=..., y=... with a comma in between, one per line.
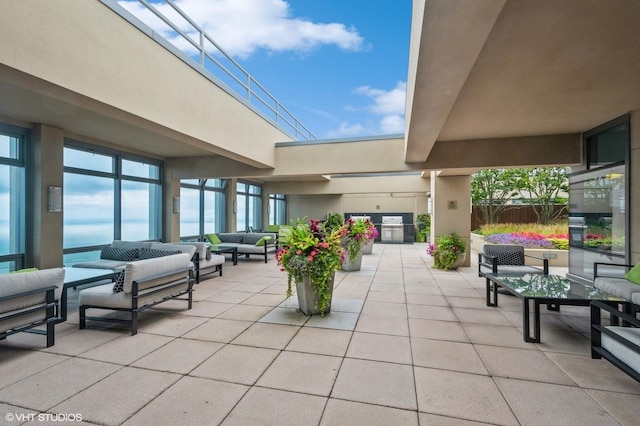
x=135, y=295
x=597, y=330
x=50, y=306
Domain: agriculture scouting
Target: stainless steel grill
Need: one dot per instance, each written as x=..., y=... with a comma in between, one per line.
x=392, y=229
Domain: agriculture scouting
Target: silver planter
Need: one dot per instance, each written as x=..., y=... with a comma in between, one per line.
x=367, y=248
x=308, y=299
x=348, y=265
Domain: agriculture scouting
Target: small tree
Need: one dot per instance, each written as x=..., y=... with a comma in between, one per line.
x=491, y=189
x=541, y=188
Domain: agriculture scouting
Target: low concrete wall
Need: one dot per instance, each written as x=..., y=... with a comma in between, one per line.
x=556, y=257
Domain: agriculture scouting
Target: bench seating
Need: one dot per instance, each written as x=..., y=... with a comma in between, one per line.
x=508, y=259
x=252, y=243
x=29, y=300
x=204, y=266
x=145, y=284
x=609, y=277
x=618, y=344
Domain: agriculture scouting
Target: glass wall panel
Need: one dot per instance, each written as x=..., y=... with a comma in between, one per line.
x=597, y=219
x=88, y=205
x=189, y=212
x=89, y=160
x=202, y=208
x=139, y=201
x=277, y=209
x=108, y=195
x=138, y=169
x=13, y=218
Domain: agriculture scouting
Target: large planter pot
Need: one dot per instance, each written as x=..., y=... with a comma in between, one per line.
x=348, y=265
x=308, y=299
x=367, y=248
x=458, y=263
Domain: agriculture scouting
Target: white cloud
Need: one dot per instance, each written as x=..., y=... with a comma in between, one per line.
x=241, y=27
x=388, y=105
x=347, y=130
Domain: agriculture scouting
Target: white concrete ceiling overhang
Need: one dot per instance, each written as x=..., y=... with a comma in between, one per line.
x=503, y=71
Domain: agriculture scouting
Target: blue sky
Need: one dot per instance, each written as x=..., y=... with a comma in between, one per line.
x=340, y=66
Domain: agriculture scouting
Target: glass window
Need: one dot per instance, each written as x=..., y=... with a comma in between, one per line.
x=13, y=209
x=139, y=220
x=277, y=209
x=88, y=160
x=202, y=207
x=135, y=168
x=88, y=206
x=608, y=144
x=107, y=195
x=597, y=219
x=189, y=212
x=249, y=207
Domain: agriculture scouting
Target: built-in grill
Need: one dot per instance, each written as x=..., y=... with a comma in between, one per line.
x=392, y=229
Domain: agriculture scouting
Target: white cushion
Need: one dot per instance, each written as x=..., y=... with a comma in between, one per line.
x=104, y=296
x=11, y=284
x=114, y=265
x=147, y=268
x=620, y=351
x=616, y=286
x=216, y=259
x=184, y=248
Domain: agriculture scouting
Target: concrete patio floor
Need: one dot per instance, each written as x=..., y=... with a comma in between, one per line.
x=404, y=344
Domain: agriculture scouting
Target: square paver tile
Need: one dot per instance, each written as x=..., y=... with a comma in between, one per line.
x=179, y=356
x=262, y=406
x=455, y=356
x=209, y=405
x=320, y=341
x=302, y=372
x=377, y=383
x=334, y=320
x=237, y=364
x=339, y=413
x=396, y=326
x=526, y=364
x=51, y=386
x=438, y=330
x=126, y=349
x=380, y=347
x=288, y=316
x=553, y=402
x=128, y=390
x=264, y=335
x=440, y=313
x=463, y=395
x=218, y=330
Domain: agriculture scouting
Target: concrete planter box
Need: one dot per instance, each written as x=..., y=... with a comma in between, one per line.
x=556, y=257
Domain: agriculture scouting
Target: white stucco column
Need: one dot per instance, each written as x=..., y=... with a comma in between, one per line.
x=451, y=208
x=633, y=202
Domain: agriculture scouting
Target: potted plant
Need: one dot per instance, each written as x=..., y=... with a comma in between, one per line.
x=354, y=234
x=311, y=254
x=449, y=251
x=371, y=234
x=423, y=223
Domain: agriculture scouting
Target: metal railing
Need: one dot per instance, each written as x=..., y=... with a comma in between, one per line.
x=198, y=49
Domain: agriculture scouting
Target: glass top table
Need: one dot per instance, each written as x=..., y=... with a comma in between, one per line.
x=550, y=290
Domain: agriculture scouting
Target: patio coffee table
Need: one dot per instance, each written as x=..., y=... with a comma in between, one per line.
x=75, y=277
x=220, y=249
x=550, y=290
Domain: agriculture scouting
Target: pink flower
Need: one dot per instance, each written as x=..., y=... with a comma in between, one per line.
x=310, y=258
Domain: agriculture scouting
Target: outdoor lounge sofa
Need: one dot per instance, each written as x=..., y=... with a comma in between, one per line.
x=618, y=344
x=29, y=300
x=252, y=243
x=609, y=277
x=119, y=253
x=204, y=261
x=144, y=283
x=508, y=259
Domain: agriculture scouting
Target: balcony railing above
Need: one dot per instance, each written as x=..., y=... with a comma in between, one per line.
x=181, y=35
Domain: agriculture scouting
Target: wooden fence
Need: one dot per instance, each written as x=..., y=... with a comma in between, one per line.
x=511, y=214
